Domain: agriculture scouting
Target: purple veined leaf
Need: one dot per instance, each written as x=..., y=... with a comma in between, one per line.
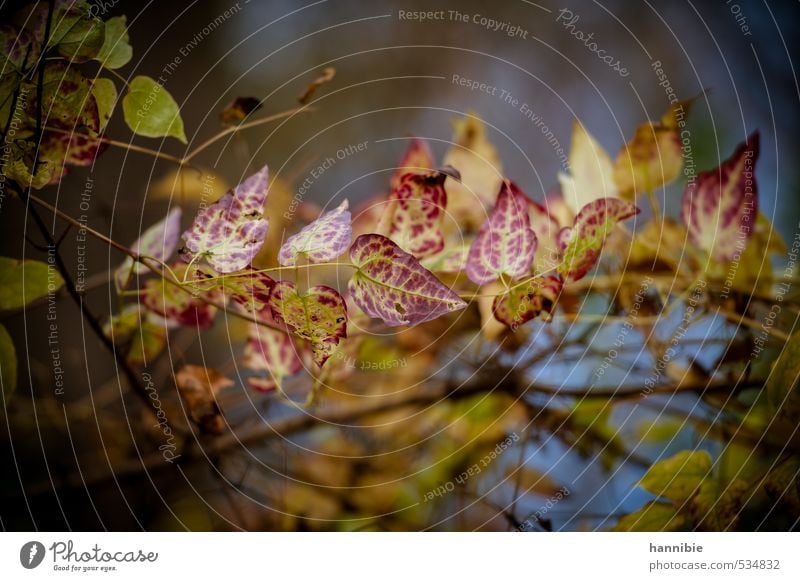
x=179, y=305
x=505, y=243
x=417, y=206
x=318, y=316
x=720, y=206
x=523, y=303
x=325, y=239
x=583, y=242
x=391, y=285
x=158, y=241
x=230, y=232
x=418, y=158
x=273, y=352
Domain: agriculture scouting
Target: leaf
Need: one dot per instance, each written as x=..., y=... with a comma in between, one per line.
x=144, y=333
x=24, y=281
x=653, y=157
x=159, y=242
x=720, y=206
x=318, y=316
x=717, y=505
x=182, y=306
x=14, y=46
x=783, y=388
x=391, y=285
x=199, y=387
x=76, y=35
x=271, y=351
x=591, y=171
x=527, y=301
x=149, y=110
x=239, y=109
x=59, y=149
x=249, y=289
x=327, y=75
x=67, y=99
x=8, y=365
x=230, y=232
x=325, y=239
x=653, y=517
x=418, y=158
x=585, y=240
x=505, y=244
x=415, y=212
x=105, y=95
x=679, y=477
x=478, y=161
x=116, y=51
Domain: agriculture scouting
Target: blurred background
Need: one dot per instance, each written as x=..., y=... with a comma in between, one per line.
x=79, y=467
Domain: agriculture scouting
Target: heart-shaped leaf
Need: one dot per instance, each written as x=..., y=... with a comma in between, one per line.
x=150, y=110
x=505, y=243
x=391, y=285
x=116, y=51
x=583, y=242
x=527, y=301
x=230, y=232
x=179, y=305
x=318, y=316
x=273, y=352
x=417, y=207
x=325, y=239
x=159, y=241
x=720, y=206
x=418, y=158
x=591, y=171
x=478, y=162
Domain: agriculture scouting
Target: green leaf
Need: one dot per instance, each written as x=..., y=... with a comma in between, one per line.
x=318, y=316
x=8, y=364
x=151, y=111
x=105, y=94
x=116, y=51
x=23, y=281
x=653, y=517
x=76, y=35
x=782, y=386
x=679, y=477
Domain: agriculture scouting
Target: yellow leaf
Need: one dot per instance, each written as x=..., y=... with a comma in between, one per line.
x=591, y=173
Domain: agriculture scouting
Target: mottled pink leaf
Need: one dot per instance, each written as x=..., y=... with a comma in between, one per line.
x=525, y=302
x=584, y=241
x=721, y=205
x=418, y=158
x=391, y=285
x=417, y=206
x=318, y=316
x=179, y=305
x=505, y=243
x=325, y=239
x=273, y=352
x=158, y=241
x=230, y=232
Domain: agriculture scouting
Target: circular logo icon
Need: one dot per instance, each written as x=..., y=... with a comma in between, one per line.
x=31, y=554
